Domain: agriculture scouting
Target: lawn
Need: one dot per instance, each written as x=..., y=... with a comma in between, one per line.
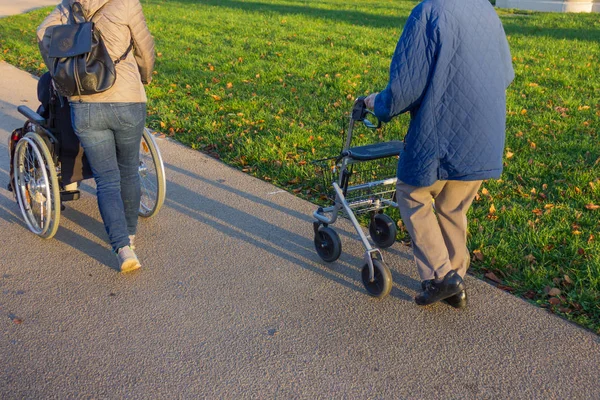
x=266, y=86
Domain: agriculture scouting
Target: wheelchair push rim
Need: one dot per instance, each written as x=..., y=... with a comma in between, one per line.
x=36, y=185
x=152, y=176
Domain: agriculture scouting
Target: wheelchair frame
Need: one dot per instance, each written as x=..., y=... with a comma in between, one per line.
x=37, y=182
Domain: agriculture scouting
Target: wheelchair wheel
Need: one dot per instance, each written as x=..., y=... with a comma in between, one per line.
x=383, y=231
x=36, y=185
x=328, y=244
x=382, y=282
x=152, y=176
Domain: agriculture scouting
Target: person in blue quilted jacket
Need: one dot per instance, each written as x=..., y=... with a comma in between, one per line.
x=450, y=70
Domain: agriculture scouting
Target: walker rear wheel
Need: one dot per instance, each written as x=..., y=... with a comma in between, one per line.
x=328, y=244
x=383, y=231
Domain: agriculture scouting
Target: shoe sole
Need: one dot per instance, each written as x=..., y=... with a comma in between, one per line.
x=437, y=301
x=130, y=265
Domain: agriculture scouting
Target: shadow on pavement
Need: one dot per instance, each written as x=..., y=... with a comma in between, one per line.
x=278, y=241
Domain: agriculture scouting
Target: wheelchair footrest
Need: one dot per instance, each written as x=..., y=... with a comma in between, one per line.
x=69, y=195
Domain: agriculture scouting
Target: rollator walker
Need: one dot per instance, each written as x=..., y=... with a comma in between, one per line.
x=48, y=162
x=364, y=181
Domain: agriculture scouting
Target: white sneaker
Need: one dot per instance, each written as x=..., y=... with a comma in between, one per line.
x=131, y=239
x=128, y=261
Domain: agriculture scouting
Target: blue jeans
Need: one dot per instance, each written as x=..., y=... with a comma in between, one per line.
x=110, y=134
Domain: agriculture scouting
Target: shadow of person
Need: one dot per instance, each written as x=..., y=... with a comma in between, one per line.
x=265, y=232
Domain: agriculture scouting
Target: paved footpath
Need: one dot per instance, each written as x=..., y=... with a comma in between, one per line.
x=233, y=302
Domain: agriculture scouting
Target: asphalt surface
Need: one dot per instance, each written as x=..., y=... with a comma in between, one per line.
x=12, y=7
x=233, y=302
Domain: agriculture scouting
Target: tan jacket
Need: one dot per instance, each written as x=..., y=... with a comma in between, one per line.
x=119, y=21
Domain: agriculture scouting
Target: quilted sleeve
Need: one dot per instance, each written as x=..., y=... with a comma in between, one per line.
x=143, y=43
x=58, y=16
x=409, y=71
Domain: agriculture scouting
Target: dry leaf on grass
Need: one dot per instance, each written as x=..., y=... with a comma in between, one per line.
x=492, y=277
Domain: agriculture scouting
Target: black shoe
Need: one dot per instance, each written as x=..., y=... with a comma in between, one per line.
x=458, y=300
x=435, y=291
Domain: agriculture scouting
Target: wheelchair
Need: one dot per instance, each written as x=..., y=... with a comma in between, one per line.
x=48, y=163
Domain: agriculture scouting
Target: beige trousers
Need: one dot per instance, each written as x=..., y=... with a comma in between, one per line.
x=438, y=232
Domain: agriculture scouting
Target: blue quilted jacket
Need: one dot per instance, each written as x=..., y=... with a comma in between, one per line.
x=450, y=70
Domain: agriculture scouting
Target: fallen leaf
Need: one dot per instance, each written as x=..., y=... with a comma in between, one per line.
x=554, y=292
x=530, y=258
x=506, y=288
x=492, y=209
x=530, y=294
x=478, y=255
x=492, y=277
x=509, y=154
x=568, y=279
x=554, y=301
x=556, y=281
x=592, y=206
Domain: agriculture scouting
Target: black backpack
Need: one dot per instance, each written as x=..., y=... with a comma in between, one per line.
x=81, y=64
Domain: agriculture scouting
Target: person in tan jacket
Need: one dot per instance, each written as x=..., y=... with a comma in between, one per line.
x=110, y=124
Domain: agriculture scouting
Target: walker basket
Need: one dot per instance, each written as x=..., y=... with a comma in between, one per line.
x=366, y=185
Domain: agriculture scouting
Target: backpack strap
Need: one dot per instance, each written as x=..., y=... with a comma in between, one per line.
x=124, y=56
x=77, y=16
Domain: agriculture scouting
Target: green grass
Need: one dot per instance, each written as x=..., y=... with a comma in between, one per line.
x=265, y=86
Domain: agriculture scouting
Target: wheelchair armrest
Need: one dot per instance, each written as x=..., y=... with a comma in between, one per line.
x=32, y=115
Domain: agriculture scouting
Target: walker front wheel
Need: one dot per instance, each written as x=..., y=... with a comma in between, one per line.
x=381, y=285
x=328, y=244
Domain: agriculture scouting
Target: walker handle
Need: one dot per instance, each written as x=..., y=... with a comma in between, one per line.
x=360, y=111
